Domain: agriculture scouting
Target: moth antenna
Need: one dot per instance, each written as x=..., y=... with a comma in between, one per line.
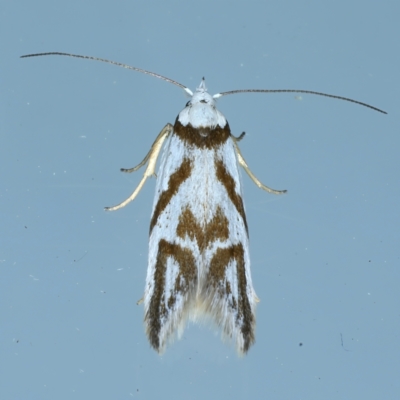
x=143, y=71
x=218, y=95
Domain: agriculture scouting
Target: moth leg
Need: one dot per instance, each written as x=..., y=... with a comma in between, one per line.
x=140, y=301
x=243, y=163
x=240, y=137
x=151, y=158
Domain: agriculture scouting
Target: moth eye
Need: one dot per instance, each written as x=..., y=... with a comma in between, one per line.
x=188, y=104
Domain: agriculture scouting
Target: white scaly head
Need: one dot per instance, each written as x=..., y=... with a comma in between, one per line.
x=201, y=110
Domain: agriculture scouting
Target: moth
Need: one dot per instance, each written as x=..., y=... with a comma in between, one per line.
x=199, y=261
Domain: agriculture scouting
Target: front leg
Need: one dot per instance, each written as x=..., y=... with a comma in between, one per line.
x=151, y=158
x=243, y=163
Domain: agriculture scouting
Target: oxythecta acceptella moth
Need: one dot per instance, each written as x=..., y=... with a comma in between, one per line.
x=199, y=262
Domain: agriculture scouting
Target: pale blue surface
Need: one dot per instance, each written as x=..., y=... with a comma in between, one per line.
x=325, y=257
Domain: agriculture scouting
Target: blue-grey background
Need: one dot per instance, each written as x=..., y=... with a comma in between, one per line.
x=325, y=257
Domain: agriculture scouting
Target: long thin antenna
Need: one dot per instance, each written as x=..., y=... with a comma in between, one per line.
x=216, y=96
x=143, y=71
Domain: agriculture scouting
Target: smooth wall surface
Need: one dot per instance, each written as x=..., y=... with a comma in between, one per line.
x=325, y=257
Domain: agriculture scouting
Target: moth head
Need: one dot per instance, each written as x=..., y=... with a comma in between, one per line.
x=201, y=110
x=201, y=97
